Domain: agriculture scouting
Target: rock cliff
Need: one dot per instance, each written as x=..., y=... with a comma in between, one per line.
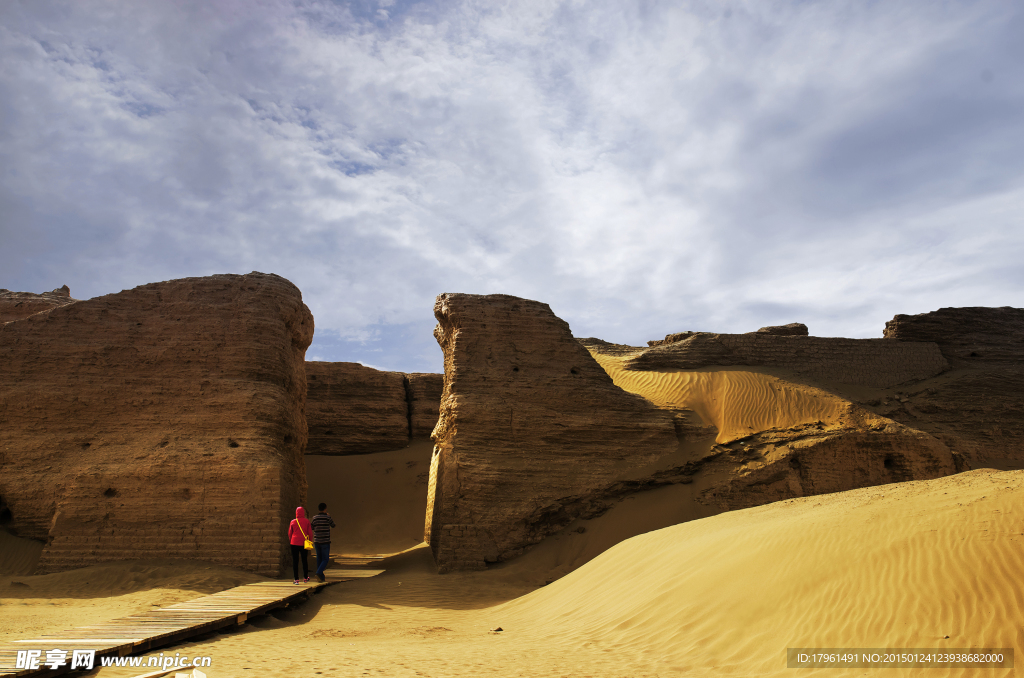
x=878, y=363
x=18, y=305
x=423, y=391
x=978, y=407
x=966, y=336
x=530, y=427
x=354, y=409
x=162, y=421
x=535, y=432
x=801, y=461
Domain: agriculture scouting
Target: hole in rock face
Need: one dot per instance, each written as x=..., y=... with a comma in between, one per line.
x=289, y=438
x=5, y=516
x=163, y=443
x=110, y=492
x=574, y=371
x=86, y=446
x=328, y=433
x=515, y=369
x=974, y=354
x=312, y=377
x=232, y=443
x=887, y=462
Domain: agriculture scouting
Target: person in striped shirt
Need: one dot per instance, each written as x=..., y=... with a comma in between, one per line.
x=322, y=524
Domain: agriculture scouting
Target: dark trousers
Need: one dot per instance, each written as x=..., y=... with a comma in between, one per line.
x=323, y=555
x=299, y=552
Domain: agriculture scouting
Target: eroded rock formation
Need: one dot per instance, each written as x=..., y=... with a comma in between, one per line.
x=534, y=433
x=790, y=330
x=424, y=396
x=530, y=426
x=163, y=421
x=354, y=409
x=966, y=336
x=18, y=305
x=978, y=407
x=866, y=362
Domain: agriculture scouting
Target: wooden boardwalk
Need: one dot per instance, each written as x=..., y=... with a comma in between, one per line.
x=145, y=631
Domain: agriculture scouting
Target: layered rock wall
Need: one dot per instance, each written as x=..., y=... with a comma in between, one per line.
x=790, y=330
x=164, y=421
x=18, y=305
x=530, y=426
x=770, y=466
x=978, y=408
x=966, y=335
x=877, y=363
x=533, y=433
x=423, y=391
x=354, y=409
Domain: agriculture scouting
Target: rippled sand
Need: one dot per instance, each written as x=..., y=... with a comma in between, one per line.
x=897, y=565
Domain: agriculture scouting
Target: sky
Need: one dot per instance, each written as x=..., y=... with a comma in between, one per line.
x=643, y=167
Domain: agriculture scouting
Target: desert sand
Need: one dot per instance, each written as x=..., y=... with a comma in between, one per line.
x=658, y=585
x=736, y=401
x=379, y=500
x=902, y=565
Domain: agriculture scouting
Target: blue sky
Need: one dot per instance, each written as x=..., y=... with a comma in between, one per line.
x=642, y=167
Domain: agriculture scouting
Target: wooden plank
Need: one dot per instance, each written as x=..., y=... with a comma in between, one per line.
x=148, y=630
x=78, y=641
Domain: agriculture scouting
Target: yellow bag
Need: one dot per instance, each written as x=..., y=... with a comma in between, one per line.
x=308, y=545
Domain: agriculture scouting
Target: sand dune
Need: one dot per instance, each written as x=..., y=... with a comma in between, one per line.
x=897, y=565
x=734, y=400
x=924, y=564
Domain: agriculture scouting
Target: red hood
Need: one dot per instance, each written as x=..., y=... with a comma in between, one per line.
x=300, y=513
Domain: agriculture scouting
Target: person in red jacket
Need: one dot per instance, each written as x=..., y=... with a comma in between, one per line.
x=298, y=531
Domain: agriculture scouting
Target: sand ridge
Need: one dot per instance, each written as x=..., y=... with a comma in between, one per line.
x=736, y=401
x=901, y=565
x=921, y=564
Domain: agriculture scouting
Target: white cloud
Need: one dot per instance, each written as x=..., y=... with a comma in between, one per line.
x=642, y=167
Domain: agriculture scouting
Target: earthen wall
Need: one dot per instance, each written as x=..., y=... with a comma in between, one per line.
x=18, y=305
x=530, y=426
x=163, y=421
x=354, y=409
x=868, y=362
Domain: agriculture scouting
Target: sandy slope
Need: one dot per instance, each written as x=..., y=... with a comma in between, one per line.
x=31, y=605
x=736, y=401
x=898, y=565
x=377, y=500
x=18, y=556
x=903, y=565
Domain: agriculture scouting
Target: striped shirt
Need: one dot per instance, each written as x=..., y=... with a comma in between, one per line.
x=322, y=524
